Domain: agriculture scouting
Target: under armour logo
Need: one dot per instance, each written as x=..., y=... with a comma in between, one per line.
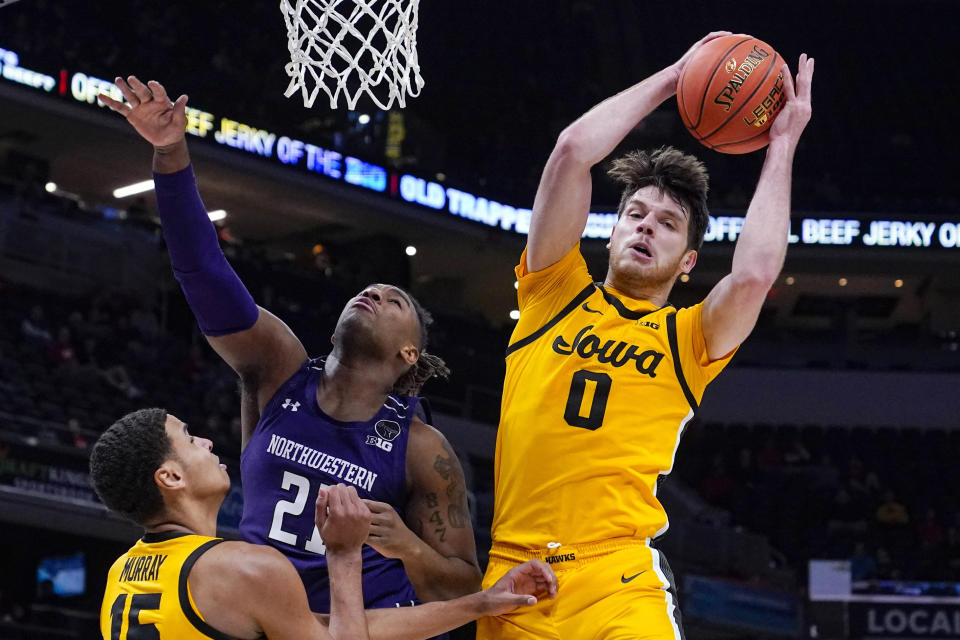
x=290, y=405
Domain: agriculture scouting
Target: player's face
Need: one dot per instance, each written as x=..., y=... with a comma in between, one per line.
x=648, y=245
x=383, y=316
x=200, y=467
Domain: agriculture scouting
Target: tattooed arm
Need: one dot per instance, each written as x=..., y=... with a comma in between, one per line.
x=436, y=543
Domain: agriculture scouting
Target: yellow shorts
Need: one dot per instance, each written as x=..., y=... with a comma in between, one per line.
x=613, y=590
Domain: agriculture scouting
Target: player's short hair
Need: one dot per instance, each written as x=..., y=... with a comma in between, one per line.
x=681, y=176
x=427, y=365
x=124, y=460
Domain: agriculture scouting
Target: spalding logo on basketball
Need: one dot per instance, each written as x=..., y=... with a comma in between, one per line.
x=729, y=93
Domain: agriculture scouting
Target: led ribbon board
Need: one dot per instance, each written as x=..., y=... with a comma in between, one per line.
x=332, y=164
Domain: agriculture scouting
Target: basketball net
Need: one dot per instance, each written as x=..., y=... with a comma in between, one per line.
x=348, y=48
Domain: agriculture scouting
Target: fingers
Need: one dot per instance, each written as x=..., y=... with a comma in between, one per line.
x=548, y=576
x=804, y=76
x=335, y=498
x=345, y=501
x=543, y=575
x=321, y=508
x=180, y=107
x=139, y=89
x=788, y=83
x=157, y=90
x=350, y=495
x=115, y=105
x=127, y=92
x=136, y=93
x=383, y=523
x=377, y=507
x=356, y=506
x=713, y=35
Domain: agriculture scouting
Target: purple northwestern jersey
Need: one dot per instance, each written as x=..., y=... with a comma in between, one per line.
x=296, y=449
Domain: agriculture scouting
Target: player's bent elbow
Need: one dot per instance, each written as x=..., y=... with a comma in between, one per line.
x=570, y=149
x=754, y=282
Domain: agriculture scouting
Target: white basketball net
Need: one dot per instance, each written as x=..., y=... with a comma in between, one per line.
x=348, y=48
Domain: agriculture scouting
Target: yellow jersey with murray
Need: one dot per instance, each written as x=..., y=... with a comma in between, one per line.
x=148, y=595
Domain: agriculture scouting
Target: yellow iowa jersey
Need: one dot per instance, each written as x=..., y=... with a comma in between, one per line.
x=597, y=391
x=147, y=594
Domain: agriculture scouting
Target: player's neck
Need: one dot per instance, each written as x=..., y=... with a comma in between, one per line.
x=195, y=517
x=353, y=390
x=656, y=293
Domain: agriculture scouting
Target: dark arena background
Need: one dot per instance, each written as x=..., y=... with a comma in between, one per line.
x=816, y=494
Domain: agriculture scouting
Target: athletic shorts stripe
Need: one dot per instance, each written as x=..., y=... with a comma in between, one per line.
x=662, y=569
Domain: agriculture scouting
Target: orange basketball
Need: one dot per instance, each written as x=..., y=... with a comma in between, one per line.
x=729, y=93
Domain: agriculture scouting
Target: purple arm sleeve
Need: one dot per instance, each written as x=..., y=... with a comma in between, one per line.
x=220, y=302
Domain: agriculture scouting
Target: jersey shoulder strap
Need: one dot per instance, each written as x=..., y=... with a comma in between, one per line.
x=581, y=297
x=677, y=367
x=183, y=593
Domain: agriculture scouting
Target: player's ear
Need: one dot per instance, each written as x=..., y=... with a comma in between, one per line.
x=689, y=261
x=410, y=354
x=169, y=476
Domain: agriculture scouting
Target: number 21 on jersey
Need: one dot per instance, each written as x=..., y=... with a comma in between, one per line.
x=295, y=507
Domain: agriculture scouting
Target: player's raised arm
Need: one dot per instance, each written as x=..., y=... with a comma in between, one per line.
x=563, y=198
x=731, y=309
x=260, y=347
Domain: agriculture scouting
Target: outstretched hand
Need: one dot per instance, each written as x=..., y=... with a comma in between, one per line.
x=793, y=118
x=158, y=120
x=522, y=586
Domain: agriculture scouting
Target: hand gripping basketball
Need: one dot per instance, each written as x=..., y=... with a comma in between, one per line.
x=160, y=122
x=678, y=66
x=795, y=115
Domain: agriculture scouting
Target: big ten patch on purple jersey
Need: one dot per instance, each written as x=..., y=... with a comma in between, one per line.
x=295, y=450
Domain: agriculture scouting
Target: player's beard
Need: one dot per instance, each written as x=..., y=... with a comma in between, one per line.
x=633, y=277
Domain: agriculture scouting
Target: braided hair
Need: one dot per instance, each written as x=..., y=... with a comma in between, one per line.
x=427, y=365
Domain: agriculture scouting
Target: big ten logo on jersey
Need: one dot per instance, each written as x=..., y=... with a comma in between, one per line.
x=380, y=443
x=387, y=431
x=648, y=323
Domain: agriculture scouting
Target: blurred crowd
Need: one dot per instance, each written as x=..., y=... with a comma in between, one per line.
x=877, y=496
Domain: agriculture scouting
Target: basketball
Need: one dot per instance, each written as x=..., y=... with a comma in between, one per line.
x=730, y=92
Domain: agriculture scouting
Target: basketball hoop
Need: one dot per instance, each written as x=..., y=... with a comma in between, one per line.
x=351, y=47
